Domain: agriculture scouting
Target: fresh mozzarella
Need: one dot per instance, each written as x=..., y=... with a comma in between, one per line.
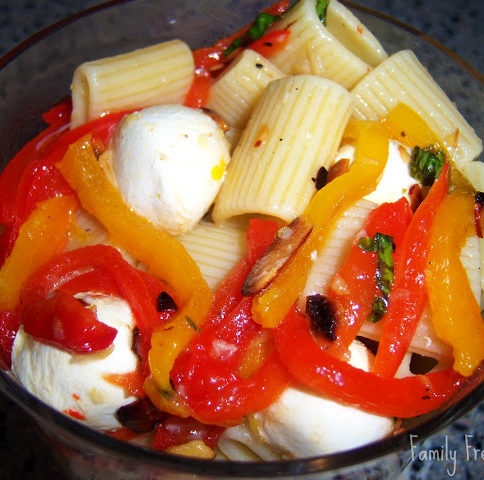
x=169, y=162
x=301, y=423
x=76, y=384
x=396, y=180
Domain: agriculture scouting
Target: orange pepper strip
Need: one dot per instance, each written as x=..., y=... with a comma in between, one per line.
x=271, y=305
x=456, y=314
x=164, y=255
x=42, y=236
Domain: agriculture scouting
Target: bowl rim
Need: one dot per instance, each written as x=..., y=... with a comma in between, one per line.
x=399, y=442
x=14, y=52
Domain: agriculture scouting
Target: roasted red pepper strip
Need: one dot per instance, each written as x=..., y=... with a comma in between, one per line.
x=210, y=60
x=207, y=60
x=408, y=296
x=173, y=431
x=208, y=375
x=49, y=280
x=45, y=149
x=260, y=235
x=231, y=385
x=478, y=213
x=197, y=95
x=62, y=320
x=60, y=111
x=395, y=397
x=353, y=288
x=10, y=177
x=278, y=8
x=9, y=325
x=271, y=43
x=31, y=176
x=228, y=294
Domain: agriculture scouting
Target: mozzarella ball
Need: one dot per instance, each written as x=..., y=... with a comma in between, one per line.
x=74, y=383
x=169, y=163
x=301, y=424
x=396, y=180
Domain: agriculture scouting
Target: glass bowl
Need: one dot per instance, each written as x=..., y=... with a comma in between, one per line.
x=37, y=74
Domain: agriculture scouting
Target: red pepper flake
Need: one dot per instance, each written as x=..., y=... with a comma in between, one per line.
x=74, y=414
x=76, y=396
x=359, y=29
x=262, y=134
x=478, y=218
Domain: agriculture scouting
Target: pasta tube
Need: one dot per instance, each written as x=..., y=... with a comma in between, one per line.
x=329, y=258
x=349, y=30
x=234, y=94
x=215, y=249
x=294, y=130
x=161, y=73
x=313, y=49
x=424, y=341
x=402, y=78
x=470, y=257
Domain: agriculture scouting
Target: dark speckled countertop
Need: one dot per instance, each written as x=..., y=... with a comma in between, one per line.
x=458, y=24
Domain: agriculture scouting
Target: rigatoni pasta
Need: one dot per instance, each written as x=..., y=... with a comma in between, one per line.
x=349, y=31
x=313, y=49
x=157, y=74
x=402, y=78
x=235, y=92
x=294, y=130
x=470, y=256
x=328, y=259
x=215, y=248
x=424, y=342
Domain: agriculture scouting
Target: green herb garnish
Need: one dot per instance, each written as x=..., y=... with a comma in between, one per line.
x=383, y=246
x=260, y=25
x=321, y=10
x=192, y=324
x=426, y=164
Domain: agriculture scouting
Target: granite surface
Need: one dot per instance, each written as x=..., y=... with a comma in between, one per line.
x=458, y=24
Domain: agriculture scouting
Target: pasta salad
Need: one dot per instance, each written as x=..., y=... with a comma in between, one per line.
x=266, y=248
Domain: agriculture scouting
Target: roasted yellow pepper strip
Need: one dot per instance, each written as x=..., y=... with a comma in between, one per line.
x=407, y=126
x=272, y=304
x=42, y=236
x=164, y=255
x=456, y=314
